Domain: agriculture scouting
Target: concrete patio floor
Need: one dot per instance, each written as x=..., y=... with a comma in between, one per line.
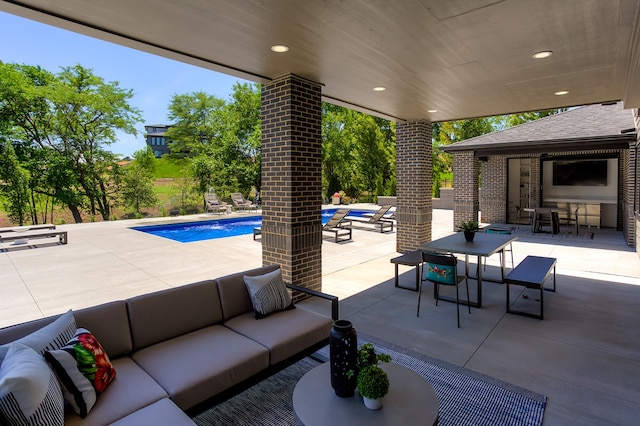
x=584, y=356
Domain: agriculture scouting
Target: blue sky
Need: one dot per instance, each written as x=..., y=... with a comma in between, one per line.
x=154, y=79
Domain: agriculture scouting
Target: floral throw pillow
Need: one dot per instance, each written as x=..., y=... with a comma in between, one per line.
x=83, y=369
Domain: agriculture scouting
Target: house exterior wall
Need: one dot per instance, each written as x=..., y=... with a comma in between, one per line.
x=465, y=184
x=156, y=139
x=494, y=183
x=493, y=175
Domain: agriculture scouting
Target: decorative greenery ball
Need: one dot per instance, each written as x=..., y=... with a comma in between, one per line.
x=373, y=382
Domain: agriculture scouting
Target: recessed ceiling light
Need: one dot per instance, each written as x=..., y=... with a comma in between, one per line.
x=379, y=89
x=432, y=110
x=561, y=93
x=280, y=48
x=543, y=54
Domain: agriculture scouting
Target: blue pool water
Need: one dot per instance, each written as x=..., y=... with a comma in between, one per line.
x=187, y=232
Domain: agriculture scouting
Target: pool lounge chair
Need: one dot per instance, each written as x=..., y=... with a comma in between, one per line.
x=242, y=203
x=377, y=219
x=339, y=226
x=215, y=205
x=391, y=214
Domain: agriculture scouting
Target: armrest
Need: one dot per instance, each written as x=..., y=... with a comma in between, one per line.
x=333, y=299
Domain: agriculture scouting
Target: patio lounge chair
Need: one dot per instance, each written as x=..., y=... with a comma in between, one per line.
x=339, y=226
x=377, y=219
x=391, y=214
x=242, y=203
x=215, y=205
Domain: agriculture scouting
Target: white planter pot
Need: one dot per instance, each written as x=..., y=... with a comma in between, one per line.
x=372, y=404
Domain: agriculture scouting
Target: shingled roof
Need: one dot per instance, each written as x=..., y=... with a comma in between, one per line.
x=601, y=126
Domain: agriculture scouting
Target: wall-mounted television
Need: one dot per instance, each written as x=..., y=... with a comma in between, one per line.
x=580, y=173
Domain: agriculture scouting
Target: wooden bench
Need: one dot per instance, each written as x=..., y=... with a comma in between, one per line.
x=532, y=272
x=409, y=259
x=31, y=235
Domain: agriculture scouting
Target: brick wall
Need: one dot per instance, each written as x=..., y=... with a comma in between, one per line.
x=465, y=184
x=493, y=203
x=292, y=179
x=632, y=190
x=414, y=184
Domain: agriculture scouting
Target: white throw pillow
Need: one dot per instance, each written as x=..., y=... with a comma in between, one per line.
x=50, y=337
x=268, y=293
x=29, y=391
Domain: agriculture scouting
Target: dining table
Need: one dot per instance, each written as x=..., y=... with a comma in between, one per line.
x=543, y=215
x=482, y=245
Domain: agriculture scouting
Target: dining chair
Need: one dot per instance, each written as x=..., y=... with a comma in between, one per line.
x=502, y=231
x=442, y=269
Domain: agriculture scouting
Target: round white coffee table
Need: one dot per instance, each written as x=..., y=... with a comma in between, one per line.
x=411, y=398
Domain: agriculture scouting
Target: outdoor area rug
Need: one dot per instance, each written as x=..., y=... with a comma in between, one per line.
x=466, y=397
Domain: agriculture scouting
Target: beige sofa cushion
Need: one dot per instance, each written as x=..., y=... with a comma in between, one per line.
x=109, y=322
x=163, y=412
x=234, y=296
x=284, y=333
x=163, y=315
x=198, y=365
x=131, y=390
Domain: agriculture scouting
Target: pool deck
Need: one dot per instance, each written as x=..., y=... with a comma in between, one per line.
x=584, y=356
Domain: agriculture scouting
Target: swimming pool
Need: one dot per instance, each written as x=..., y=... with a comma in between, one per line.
x=188, y=232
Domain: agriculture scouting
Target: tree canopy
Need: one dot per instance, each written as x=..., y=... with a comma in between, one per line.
x=59, y=126
x=221, y=137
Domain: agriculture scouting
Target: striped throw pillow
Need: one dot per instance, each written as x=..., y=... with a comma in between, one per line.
x=268, y=293
x=29, y=391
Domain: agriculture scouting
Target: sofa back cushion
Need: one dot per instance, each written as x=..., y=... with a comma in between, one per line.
x=163, y=315
x=109, y=323
x=234, y=296
x=17, y=331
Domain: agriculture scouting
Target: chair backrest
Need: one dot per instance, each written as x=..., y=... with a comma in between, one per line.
x=238, y=198
x=440, y=268
x=336, y=218
x=212, y=198
x=378, y=215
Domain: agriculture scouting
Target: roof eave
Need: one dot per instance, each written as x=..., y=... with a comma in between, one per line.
x=621, y=141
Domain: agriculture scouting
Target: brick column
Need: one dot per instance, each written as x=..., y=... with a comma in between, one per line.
x=465, y=187
x=414, y=184
x=631, y=190
x=292, y=179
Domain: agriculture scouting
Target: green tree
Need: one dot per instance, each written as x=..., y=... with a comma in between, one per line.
x=358, y=153
x=505, y=121
x=222, y=138
x=65, y=122
x=137, y=188
x=14, y=184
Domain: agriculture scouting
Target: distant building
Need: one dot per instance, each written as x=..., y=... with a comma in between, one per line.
x=156, y=138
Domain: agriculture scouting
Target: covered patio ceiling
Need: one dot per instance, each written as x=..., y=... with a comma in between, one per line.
x=463, y=58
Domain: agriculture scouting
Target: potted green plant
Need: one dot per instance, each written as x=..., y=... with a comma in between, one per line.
x=372, y=381
x=469, y=229
x=373, y=385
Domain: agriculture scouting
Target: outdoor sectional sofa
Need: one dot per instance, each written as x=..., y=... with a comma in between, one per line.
x=178, y=349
